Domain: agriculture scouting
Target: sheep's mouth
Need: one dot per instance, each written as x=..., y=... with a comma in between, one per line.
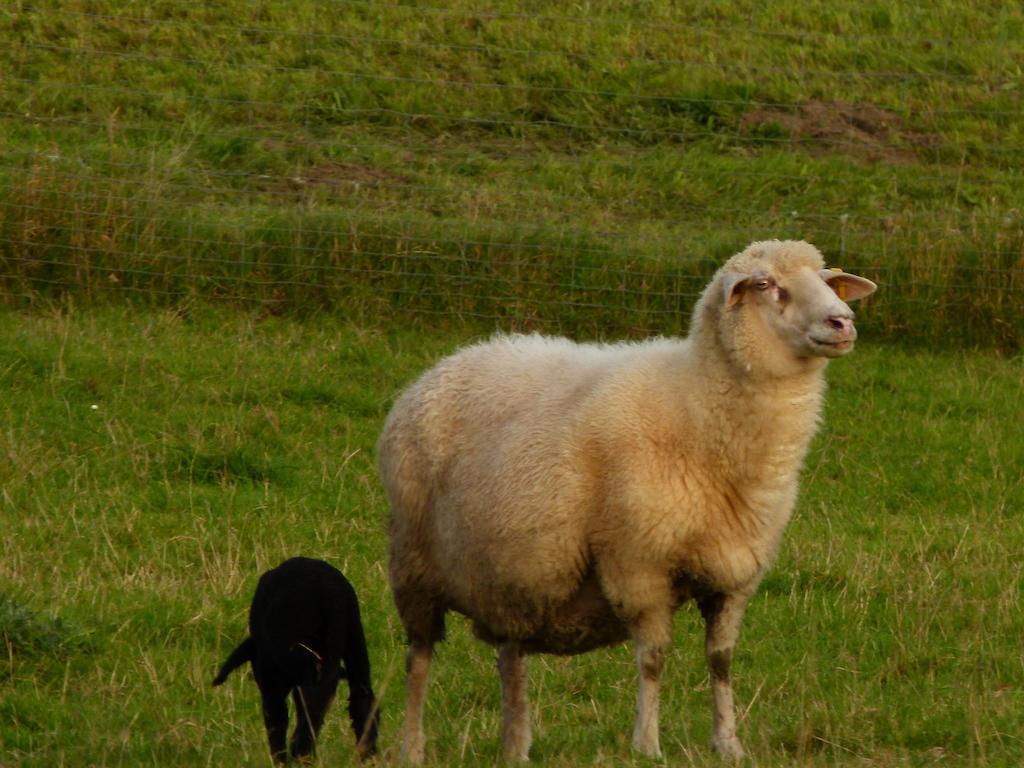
x=831, y=348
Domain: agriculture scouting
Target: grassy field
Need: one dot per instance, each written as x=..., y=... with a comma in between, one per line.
x=153, y=463
x=554, y=167
x=231, y=232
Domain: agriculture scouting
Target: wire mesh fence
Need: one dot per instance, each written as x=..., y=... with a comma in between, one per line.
x=581, y=172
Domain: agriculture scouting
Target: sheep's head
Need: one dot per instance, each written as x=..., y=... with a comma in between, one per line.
x=780, y=311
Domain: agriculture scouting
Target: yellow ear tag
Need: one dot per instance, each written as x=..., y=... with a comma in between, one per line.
x=841, y=288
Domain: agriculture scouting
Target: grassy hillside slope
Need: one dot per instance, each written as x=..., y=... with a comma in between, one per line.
x=580, y=168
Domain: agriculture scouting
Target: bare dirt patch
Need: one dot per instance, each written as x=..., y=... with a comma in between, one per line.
x=861, y=130
x=346, y=178
x=333, y=174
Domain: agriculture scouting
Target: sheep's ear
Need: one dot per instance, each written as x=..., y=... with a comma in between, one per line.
x=848, y=287
x=733, y=286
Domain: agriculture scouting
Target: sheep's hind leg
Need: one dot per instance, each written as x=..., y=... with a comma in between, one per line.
x=515, y=703
x=417, y=668
x=723, y=614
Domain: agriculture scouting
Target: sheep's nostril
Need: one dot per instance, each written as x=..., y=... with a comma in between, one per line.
x=839, y=323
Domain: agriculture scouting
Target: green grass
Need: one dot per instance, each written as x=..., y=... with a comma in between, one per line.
x=153, y=463
x=230, y=233
x=368, y=158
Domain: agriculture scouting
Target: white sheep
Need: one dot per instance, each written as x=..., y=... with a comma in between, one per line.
x=568, y=496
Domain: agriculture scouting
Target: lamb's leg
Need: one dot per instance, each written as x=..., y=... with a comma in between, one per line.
x=311, y=705
x=652, y=635
x=274, y=697
x=515, y=703
x=723, y=614
x=275, y=718
x=417, y=667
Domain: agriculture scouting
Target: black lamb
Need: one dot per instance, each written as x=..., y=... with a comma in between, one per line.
x=305, y=635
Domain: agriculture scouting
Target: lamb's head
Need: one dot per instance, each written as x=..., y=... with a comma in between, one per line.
x=776, y=310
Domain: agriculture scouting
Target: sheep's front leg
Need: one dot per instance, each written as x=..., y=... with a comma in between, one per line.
x=275, y=718
x=515, y=703
x=417, y=667
x=274, y=697
x=652, y=636
x=723, y=614
x=311, y=705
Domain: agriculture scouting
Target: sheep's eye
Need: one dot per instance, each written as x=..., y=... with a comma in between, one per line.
x=763, y=285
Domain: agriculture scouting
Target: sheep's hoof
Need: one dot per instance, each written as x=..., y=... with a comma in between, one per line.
x=365, y=752
x=413, y=752
x=728, y=747
x=516, y=749
x=648, y=747
x=516, y=756
x=515, y=741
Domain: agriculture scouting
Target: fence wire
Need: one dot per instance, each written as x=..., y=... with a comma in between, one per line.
x=584, y=172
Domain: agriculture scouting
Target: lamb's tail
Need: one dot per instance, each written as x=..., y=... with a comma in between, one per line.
x=238, y=657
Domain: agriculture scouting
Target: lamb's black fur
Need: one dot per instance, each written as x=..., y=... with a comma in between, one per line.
x=304, y=624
